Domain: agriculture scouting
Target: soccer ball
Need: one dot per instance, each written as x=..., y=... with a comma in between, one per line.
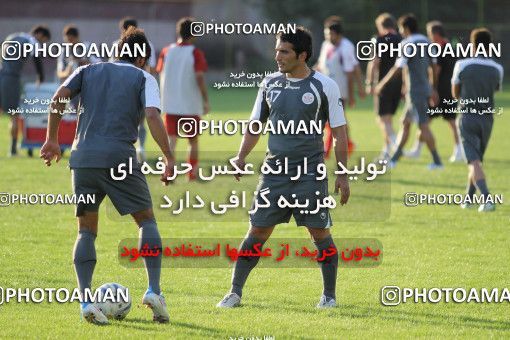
x=115, y=308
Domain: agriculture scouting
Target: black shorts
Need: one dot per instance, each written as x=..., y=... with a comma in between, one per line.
x=387, y=102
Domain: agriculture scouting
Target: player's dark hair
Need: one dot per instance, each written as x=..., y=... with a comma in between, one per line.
x=334, y=23
x=183, y=27
x=44, y=30
x=409, y=21
x=125, y=22
x=481, y=36
x=71, y=30
x=301, y=41
x=132, y=37
x=436, y=27
x=385, y=20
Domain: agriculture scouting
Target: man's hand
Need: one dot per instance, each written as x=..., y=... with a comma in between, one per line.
x=49, y=151
x=169, y=171
x=378, y=89
x=240, y=163
x=369, y=90
x=342, y=184
x=434, y=99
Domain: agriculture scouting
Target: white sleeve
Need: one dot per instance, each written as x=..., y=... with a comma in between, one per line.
x=349, y=58
x=260, y=109
x=151, y=92
x=336, y=115
x=402, y=60
x=456, y=73
x=500, y=69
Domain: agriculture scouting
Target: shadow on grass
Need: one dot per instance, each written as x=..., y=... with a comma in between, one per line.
x=386, y=314
x=147, y=325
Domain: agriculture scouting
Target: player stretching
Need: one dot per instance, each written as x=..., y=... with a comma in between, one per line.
x=419, y=93
x=307, y=95
x=10, y=74
x=183, y=89
x=338, y=61
x=105, y=137
x=475, y=78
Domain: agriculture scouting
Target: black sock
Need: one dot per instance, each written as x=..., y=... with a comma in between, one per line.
x=482, y=186
x=149, y=234
x=435, y=157
x=471, y=189
x=397, y=154
x=84, y=256
x=244, y=265
x=14, y=143
x=329, y=267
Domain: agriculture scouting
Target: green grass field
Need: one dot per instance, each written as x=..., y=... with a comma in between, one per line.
x=424, y=247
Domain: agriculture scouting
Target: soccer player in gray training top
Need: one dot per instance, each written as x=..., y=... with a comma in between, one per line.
x=10, y=73
x=114, y=96
x=295, y=93
x=474, y=79
x=419, y=94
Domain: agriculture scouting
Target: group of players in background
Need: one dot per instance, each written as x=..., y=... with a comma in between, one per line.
x=426, y=82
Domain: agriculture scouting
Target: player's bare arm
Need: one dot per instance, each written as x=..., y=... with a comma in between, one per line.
x=247, y=145
x=456, y=91
x=434, y=70
x=393, y=73
x=158, y=132
x=66, y=72
x=200, y=76
x=350, y=88
x=372, y=74
x=359, y=81
x=340, y=142
x=51, y=148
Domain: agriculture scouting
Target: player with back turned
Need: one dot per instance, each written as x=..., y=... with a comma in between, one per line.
x=105, y=136
x=475, y=78
x=299, y=94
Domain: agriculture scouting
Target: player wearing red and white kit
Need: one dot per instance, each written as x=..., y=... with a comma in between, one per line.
x=183, y=90
x=338, y=61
